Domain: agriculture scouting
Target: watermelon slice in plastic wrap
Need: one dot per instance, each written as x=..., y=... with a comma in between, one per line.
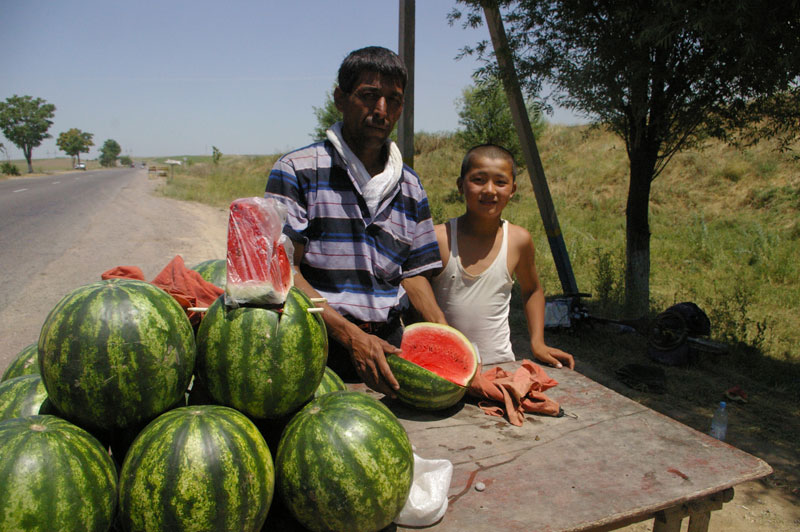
x=258, y=261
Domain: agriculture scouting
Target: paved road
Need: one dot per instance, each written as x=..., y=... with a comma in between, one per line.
x=60, y=232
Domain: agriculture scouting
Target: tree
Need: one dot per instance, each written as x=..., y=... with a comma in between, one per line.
x=486, y=116
x=664, y=75
x=109, y=153
x=327, y=115
x=74, y=142
x=25, y=121
x=216, y=155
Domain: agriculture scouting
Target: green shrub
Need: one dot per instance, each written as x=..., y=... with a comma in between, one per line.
x=9, y=169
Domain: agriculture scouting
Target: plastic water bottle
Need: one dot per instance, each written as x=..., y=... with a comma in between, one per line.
x=719, y=422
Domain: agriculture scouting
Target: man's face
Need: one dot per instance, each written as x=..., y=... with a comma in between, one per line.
x=370, y=111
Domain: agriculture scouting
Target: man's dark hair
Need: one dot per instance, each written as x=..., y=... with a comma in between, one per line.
x=492, y=151
x=371, y=59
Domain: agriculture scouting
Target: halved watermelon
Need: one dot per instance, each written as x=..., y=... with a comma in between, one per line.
x=435, y=367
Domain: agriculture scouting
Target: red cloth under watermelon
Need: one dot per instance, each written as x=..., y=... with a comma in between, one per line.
x=519, y=392
x=186, y=286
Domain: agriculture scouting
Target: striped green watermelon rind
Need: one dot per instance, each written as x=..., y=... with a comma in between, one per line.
x=422, y=389
x=442, y=349
x=264, y=363
x=116, y=353
x=54, y=476
x=331, y=382
x=344, y=462
x=197, y=468
x=21, y=396
x=215, y=271
x=26, y=362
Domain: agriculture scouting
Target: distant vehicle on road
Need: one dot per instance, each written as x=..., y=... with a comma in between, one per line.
x=80, y=166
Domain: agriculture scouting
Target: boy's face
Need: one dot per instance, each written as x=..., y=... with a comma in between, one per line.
x=487, y=186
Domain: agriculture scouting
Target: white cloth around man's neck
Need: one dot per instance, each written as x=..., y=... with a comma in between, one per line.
x=374, y=189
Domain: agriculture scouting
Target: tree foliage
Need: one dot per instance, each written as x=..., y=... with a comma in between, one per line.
x=109, y=152
x=327, y=115
x=74, y=142
x=25, y=121
x=486, y=117
x=216, y=155
x=662, y=74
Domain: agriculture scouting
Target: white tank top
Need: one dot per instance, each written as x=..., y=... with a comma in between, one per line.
x=478, y=305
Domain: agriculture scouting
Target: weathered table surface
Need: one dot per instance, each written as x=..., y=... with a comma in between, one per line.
x=608, y=463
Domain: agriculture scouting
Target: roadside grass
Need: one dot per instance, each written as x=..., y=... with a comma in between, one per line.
x=50, y=166
x=235, y=176
x=725, y=235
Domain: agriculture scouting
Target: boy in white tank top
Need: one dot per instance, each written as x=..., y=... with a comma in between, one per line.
x=481, y=254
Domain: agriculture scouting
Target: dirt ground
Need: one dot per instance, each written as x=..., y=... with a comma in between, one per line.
x=199, y=232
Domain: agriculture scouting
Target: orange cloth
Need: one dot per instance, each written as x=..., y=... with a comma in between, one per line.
x=519, y=392
x=186, y=286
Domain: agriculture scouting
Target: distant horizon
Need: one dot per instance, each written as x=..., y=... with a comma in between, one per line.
x=132, y=156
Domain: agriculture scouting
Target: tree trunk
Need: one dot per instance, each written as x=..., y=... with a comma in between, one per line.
x=28, y=154
x=637, y=232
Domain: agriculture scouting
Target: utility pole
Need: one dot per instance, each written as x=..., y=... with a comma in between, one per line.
x=405, y=126
x=532, y=160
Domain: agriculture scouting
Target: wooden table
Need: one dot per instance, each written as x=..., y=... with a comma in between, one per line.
x=609, y=462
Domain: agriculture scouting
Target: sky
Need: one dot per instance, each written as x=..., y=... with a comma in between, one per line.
x=176, y=77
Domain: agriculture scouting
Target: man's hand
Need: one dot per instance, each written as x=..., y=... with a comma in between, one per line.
x=369, y=359
x=552, y=356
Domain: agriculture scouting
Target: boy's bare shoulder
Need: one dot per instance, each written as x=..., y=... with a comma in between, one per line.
x=518, y=234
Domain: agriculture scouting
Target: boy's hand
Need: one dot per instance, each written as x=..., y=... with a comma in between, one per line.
x=553, y=356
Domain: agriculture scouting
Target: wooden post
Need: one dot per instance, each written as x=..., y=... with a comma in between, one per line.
x=405, y=126
x=532, y=161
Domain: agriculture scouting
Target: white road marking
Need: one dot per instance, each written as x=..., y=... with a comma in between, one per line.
x=21, y=190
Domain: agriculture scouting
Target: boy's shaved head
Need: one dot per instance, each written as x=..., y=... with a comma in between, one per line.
x=491, y=151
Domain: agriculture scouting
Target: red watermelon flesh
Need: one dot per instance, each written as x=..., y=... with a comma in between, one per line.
x=258, y=267
x=442, y=350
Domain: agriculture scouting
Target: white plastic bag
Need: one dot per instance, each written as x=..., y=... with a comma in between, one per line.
x=427, y=500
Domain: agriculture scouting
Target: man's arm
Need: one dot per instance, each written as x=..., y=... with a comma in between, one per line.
x=366, y=350
x=421, y=296
x=533, y=300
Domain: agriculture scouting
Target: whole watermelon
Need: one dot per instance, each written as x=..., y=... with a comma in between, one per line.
x=54, y=476
x=344, y=462
x=116, y=353
x=262, y=362
x=26, y=362
x=197, y=468
x=21, y=396
x=213, y=270
x=331, y=382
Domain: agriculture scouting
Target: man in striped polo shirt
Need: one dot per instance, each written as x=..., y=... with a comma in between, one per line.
x=360, y=222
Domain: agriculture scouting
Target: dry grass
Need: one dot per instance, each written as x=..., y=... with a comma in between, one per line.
x=723, y=221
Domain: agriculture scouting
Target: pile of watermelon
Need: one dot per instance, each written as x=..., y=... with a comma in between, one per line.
x=122, y=417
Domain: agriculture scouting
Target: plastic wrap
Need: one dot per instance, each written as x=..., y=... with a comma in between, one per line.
x=427, y=501
x=259, y=255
